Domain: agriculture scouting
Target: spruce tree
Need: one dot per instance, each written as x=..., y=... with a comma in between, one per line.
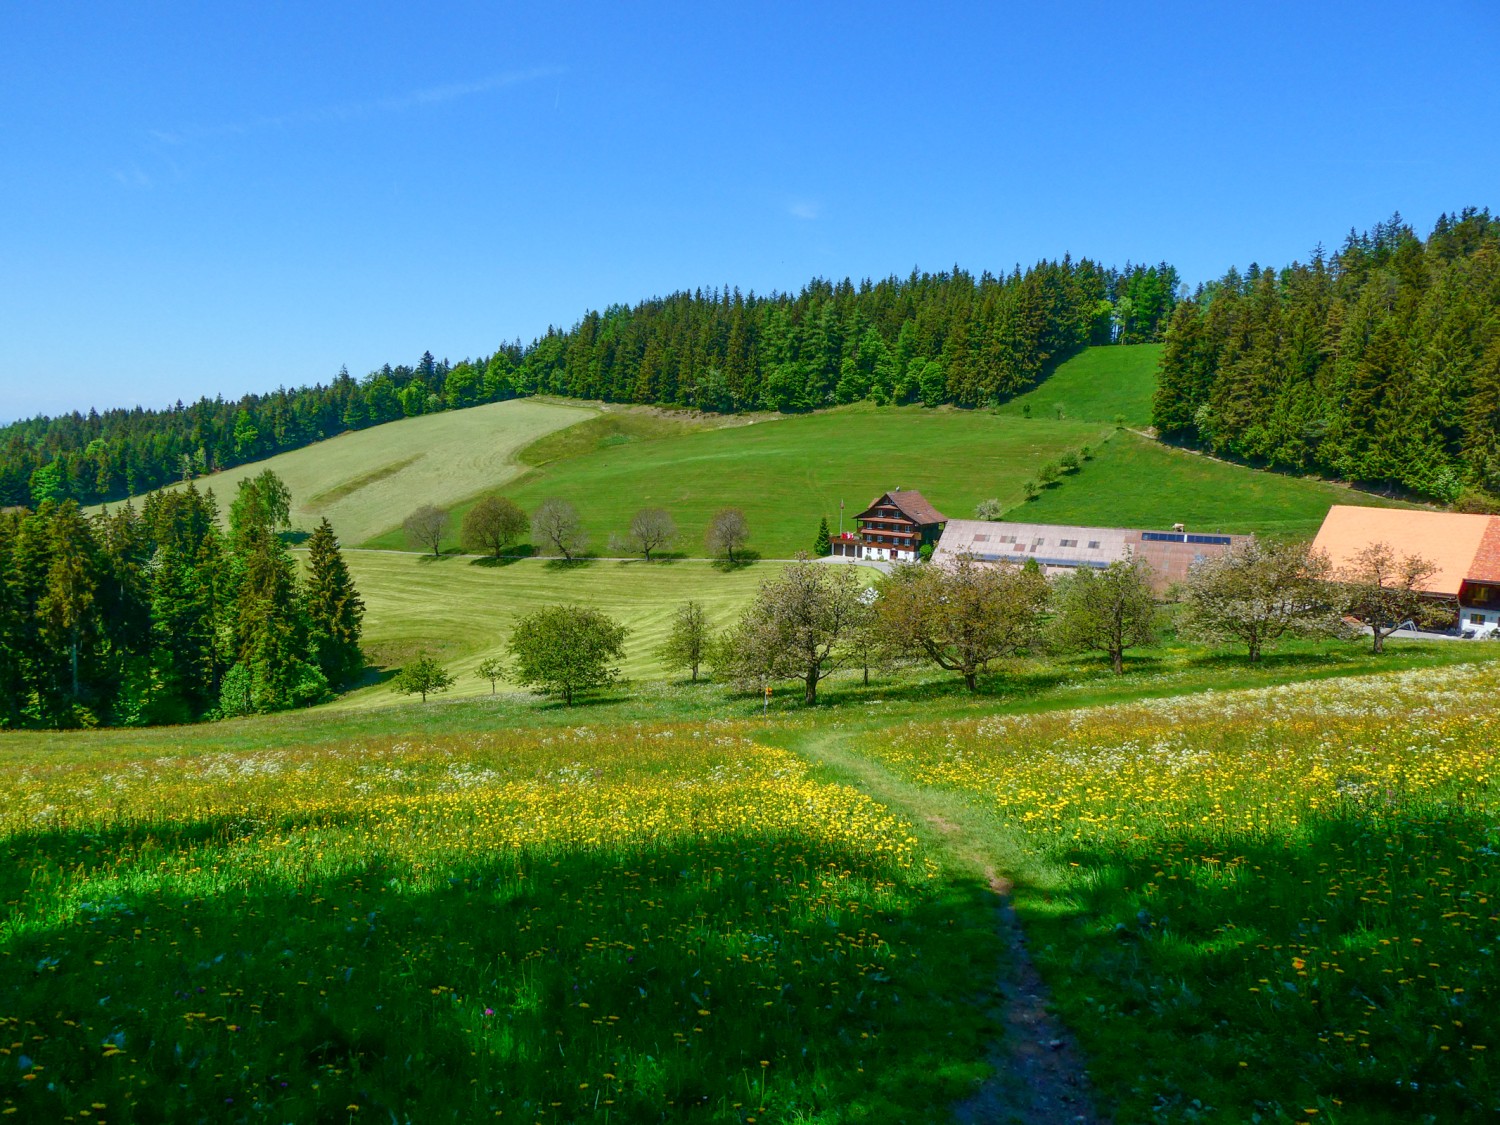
x=334, y=608
x=824, y=542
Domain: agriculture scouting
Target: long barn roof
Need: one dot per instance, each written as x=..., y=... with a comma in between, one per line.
x=1463, y=546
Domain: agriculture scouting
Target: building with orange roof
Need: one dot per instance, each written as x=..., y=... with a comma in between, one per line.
x=1465, y=548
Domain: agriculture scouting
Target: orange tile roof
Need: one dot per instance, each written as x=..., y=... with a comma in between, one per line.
x=1454, y=541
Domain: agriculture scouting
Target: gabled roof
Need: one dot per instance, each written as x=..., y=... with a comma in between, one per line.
x=911, y=504
x=1461, y=545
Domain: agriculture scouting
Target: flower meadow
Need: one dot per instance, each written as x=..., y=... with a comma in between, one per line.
x=648, y=923
x=1270, y=905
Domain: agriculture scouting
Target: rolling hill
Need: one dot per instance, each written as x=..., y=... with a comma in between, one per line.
x=363, y=480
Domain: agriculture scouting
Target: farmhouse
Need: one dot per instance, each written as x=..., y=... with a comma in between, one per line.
x=1059, y=549
x=1465, y=549
x=893, y=528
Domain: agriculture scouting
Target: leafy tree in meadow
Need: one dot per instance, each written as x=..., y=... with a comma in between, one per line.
x=567, y=650
x=1108, y=611
x=728, y=531
x=651, y=529
x=493, y=524
x=1382, y=590
x=990, y=509
x=261, y=500
x=823, y=541
x=688, y=640
x=335, y=611
x=964, y=615
x=801, y=625
x=426, y=526
x=1259, y=591
x=491, y=668
x=556, y=525
x=422, y=676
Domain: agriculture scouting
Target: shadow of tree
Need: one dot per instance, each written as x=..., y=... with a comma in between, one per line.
x=591, y=985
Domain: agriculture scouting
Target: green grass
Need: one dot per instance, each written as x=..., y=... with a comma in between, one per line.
x=461, y=609
x=1096, y=385
x=366, y=481
x=624, y=425
x=1135, y=482
x=787, y=472
x=627, y=925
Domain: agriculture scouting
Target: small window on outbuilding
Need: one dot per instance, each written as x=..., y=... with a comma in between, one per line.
x=1093, y=544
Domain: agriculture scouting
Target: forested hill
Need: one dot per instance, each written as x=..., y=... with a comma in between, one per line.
x=947, y=337
x=1379, y=364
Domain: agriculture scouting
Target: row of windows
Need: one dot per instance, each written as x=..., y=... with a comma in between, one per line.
x=1035, y=543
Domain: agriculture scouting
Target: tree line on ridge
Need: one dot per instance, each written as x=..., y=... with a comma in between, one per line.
x=930, y=338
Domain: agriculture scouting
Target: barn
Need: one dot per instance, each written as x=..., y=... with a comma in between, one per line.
x=1465, y=549
x=1059, y=549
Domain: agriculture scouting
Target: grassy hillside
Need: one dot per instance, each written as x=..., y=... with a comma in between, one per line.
x=787, y=472
x=364, y=481
x=1136, y=482
x=461, y=609
x=1097, y=385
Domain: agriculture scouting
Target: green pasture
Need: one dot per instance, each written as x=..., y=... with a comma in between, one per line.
x=1096, y=385
x=461, y=609
x=786, y=472
x=365, y=481
x=1136, y=482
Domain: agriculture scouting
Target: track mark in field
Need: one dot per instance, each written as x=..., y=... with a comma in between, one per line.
x=1040, y=1077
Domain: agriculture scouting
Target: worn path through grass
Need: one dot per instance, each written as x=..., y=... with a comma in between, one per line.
x=1040, y=1076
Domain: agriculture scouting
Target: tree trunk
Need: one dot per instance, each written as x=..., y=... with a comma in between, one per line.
x=1117, y=658
x=1254, y=649
x=1379, y=642
x=810, y=696
x=695, y=673
x=75, y=663
x=971, y=680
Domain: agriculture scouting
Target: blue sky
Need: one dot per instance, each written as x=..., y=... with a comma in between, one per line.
x=214, y=199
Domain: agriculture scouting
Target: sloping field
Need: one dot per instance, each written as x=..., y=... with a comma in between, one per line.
x=788, y=472
x=367, y=481
x=1136, y=482
x=1096, y=385
x=461, y=610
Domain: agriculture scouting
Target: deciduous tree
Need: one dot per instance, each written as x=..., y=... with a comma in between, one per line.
x=1382, y=589
x=555, y=524
x=426, y=527
x=963, y=615
x=1108, y=611
x=651, y=529
x=491, y=668
x=422, y=676
x=567, y=650
x=1258, y=592
x=728, y=532
x=493, y=524
x=688, y=640
x=801, y=625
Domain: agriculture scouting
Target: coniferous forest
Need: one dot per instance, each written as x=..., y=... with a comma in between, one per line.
x=1379, y=364
x=159, y=616
x=931, y=338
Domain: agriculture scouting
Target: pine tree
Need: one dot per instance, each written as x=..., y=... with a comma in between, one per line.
x=823, y=544
x=334, y=608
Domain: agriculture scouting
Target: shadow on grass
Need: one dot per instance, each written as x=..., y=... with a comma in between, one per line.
x=577, y=562
x=689, y=975
x=1262, y=973
x=742, y=559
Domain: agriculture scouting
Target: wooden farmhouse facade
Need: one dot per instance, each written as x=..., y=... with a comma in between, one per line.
x=893, y=528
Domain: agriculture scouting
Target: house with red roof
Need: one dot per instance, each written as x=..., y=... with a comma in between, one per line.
x=892, y=529
x=1465, y=549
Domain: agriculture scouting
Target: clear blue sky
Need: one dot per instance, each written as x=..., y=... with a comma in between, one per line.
x=217, y=198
